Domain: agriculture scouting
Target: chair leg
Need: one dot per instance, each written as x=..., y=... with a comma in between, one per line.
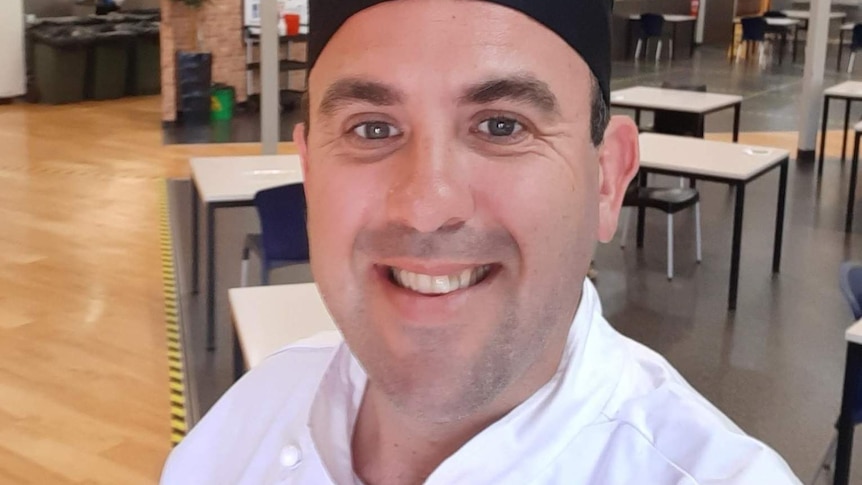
x=264, y=274
x=826, y=462
x=627, y=214
x=670, y=247
x=697, y=234
x=638, y=49
x=658, y=51
x=670, y=49
x=761, y=52
x=243, y=278
x=851, y=62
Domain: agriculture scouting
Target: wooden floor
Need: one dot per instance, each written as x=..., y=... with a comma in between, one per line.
x=83, y=360
x=83, y=365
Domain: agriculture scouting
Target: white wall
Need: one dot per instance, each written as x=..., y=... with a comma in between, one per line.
x=12, y=76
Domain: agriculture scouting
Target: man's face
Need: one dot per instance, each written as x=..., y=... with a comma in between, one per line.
x=454, y=196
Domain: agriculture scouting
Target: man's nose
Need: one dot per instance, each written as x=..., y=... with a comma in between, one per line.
x=431, y=187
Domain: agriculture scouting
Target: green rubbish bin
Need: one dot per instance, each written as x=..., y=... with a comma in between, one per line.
x=223, y=97
x=109, y=63
x=60, y=62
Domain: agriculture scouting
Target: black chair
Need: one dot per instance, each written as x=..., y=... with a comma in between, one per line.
x=753, y=33
x=283, y=240
x=668, y=200
x=850, y=281
x=652, y=27
x=855, y=45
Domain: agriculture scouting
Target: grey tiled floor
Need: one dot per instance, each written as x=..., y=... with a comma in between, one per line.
x=775, y=366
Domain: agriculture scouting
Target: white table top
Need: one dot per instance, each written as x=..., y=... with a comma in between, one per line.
x=669, y=17
x=697, y=156
x=847, y=89
x=805, y=14
x=235, y=179
x=775, y=21
x=847, y=26
x=267, y=318
x=854, y=333
x=672, y=99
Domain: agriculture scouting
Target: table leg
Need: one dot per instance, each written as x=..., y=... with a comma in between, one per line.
x=693, y=38
x=823, y=135
x=779, y=218
x=638, y=118
x=211, y=280
x=795, y=41
x=629, y=38
x=851, y=194
x=736, y=247
x=840, y=50
x=701, y=125
x=736, y=111
x=845, y=419
x=846, y=128
x=673, y=41
x=195, y=238
x=642, y=181
x=781, y=45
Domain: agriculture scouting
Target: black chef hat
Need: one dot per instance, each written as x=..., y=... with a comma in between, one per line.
x=583, y=24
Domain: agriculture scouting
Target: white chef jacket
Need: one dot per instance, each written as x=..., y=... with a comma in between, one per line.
x=614, y=413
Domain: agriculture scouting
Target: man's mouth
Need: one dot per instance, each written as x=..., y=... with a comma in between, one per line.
x=439, y=284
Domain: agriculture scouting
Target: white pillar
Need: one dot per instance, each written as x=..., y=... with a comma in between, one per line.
x=701, y=13
x=12, y=77
x=812, y=79
x=269, y=76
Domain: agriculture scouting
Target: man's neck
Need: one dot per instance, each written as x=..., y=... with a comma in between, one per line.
x=390, y=447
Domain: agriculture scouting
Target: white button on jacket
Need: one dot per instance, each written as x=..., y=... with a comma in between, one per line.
x=615, y=413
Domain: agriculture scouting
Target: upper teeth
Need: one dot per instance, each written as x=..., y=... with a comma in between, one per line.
x=439, y=285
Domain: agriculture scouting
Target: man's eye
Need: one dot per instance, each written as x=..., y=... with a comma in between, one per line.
x=500, y=126
x=375, y=130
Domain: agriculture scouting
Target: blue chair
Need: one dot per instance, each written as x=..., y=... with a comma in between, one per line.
x=652, y=27
x=753, y=32
x=855, y=45
x=283, y=240
x=850, y=281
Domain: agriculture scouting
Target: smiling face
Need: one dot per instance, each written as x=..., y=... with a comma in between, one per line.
x=454, y=196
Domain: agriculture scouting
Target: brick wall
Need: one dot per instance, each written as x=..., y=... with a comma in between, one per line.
x=220, y=24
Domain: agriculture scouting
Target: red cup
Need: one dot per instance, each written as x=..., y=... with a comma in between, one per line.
x=291, y=21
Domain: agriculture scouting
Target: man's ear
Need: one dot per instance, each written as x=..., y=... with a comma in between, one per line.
x=619, y=159
x=302, y=146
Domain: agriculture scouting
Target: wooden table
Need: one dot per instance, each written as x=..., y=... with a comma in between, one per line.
x=641, y=98
x=266, y=318
x=783, y=23
x=852, y=368
x=848, y=27
x=674, y=20
x=723, y=162
x=854, y=169
x=804, y=16
x=849, y=91
x=222, y=182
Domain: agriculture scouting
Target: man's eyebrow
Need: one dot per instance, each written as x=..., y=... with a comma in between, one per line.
x=348, y=90
x=523, y=88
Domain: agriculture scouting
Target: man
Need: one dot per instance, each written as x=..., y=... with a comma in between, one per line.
x=459, y=168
